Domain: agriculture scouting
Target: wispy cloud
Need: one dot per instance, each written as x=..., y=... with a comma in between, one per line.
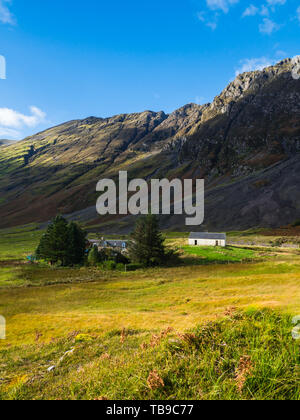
x=9, y=133
x=264, y=11
x=251, y=11
x=5, y=14
x=210, y=17
x=253, y=64
x=210, y=21
x=12, y=122
x=212, y=25
x=223, y=5
x=268, y=27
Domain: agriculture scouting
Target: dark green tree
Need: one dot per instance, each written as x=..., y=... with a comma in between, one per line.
x=62, y=242
x=147, y=243
x=77, y=244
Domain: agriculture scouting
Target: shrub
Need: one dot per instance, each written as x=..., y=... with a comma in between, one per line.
x=278, y=242
x=93, y=257
x=109, y=265
x=120, y=267
x=120, y=258
x=112, y=255
x=83, y=338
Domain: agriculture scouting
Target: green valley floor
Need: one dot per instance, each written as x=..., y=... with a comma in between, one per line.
x=219, y=326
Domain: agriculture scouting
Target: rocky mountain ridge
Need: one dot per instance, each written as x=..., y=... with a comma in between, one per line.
x=242, y=144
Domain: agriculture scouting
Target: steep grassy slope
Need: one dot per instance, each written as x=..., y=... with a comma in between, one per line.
x=245, y=144
x=57, y=170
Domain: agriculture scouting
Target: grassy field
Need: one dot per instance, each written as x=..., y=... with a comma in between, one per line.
x=17, y=243
x=199, y=330
x=217, y=255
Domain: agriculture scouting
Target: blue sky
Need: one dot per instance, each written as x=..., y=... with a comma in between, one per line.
x=69, y=59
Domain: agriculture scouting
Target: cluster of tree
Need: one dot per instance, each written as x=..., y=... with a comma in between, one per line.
x=63, y=243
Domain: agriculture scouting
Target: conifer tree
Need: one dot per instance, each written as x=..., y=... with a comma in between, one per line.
x=147, y=244
x=62, y=242
x=77, y=244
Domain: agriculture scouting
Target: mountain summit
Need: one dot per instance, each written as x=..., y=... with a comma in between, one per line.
x=245, y=144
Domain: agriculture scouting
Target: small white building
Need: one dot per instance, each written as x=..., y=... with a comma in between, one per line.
x=207, y=239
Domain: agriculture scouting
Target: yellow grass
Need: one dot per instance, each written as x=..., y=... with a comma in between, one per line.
x=179, y=297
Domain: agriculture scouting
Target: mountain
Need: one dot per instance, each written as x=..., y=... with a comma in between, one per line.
x=245, y=144
x=6, y=142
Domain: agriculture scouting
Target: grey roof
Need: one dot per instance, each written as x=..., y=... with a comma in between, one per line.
x=206, y=235
x=117, y=243
x=111, y=243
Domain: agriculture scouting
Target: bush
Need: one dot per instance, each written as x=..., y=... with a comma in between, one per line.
x=296, y=223
x=278, y=242
x=83, y=338
x=93, y=257
x=120, y=267
x=109, y=265
x=112, y=255
x=121, y=259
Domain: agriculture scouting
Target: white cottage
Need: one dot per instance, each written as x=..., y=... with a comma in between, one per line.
x=207, y=239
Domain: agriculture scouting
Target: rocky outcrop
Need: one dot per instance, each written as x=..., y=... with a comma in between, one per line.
x=251, y=125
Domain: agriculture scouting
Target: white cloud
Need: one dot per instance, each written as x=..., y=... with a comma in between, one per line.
x=8, y=132
x=212, y=23
x=268, y=27
x=5, y=15
x=223, y=5
x=210, y=17
x=253, y=64
x=251, y=11
x=11, y=121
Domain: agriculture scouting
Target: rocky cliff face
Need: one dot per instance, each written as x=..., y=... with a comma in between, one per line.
x=245, y=144
x=251, y=125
